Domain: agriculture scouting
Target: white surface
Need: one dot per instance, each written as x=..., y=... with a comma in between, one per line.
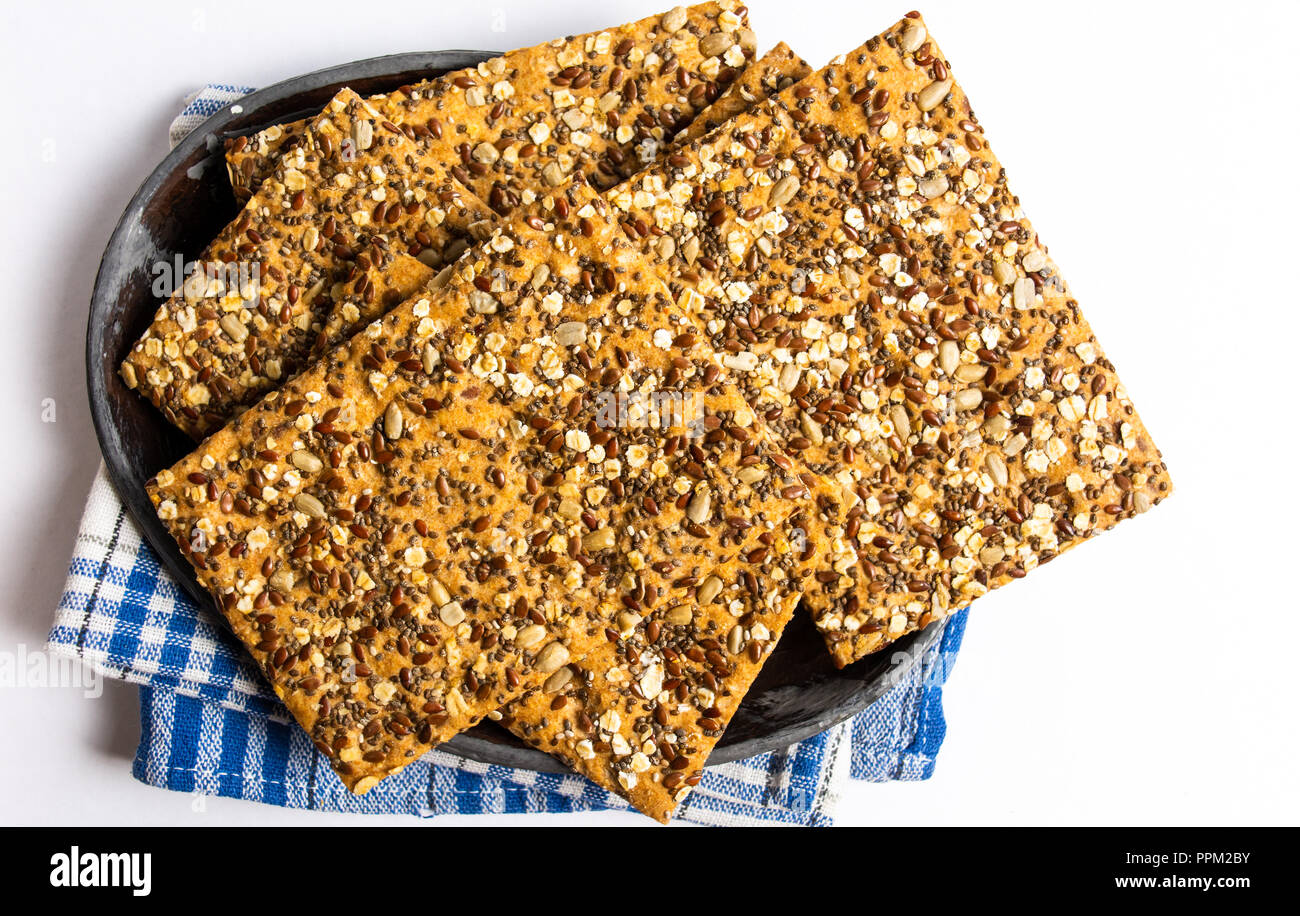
x=1147, y=677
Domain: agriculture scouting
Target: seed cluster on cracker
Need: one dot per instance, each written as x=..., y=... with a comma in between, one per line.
x=758, y=337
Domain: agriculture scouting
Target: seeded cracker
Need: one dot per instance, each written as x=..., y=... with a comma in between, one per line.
x=599, y=105
x=461, y=219
x=641, y=713
x=892, y=315
x=602, y=714
x=440, y=515
x=774, y=71
x=309, y=257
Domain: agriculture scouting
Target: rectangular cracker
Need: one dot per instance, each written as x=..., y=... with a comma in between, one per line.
x=457, y=499
x=318, y=237
x=641, y=713
x=597, y=105
x=896, y=321
x=653, y=749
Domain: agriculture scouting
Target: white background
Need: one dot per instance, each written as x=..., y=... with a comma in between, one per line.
x=1148, y=677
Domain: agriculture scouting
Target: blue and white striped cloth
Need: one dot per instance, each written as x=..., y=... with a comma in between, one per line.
x=211, y=725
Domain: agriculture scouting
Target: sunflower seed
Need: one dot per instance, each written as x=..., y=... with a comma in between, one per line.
x=967, y=399
x=1023, y=293
x=699, y=507
x=812, y=429
x=933, y=94
x=912, y=38
x=751, y=475
x=949, y=357
x=997, y=468
x=557, y=681
x=363, y=134
x=992, y=555
x=902, y=424
x=309, y=505
x=438, y=592
x=393, y=422
x=1013, y=445
x=552, y=658
x=744, y=361
x=304, y=460
x=708, y=590
x=971, y=372
x=455, y=703
x=530, y=636
x=430, y=358
x=716, y=43
x=678, y=615
x=674, y=19
x=1004, y=273
x=234, y=328
x=736, y=639
x=783, y=191
x=652, y=682
x=451, y=613
x=997, y=426
x=1033, y=261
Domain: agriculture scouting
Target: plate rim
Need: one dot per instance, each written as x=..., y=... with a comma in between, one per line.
x=108, y=435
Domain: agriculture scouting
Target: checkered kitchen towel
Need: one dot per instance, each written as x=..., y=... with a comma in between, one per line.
x=211, y=725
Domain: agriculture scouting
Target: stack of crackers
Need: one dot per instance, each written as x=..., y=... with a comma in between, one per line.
x=567, y=379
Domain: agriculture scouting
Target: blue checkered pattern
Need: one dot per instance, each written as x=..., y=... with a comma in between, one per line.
x=211, y=725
